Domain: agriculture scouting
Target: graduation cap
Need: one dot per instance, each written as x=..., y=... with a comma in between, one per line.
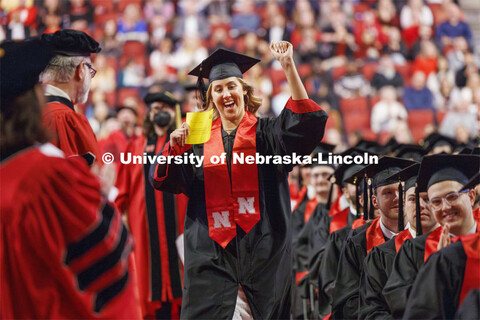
x=391, y=145
x=378, y=175
x=72, y=43
x=221, y=64
x=190, y=87
x=437, y=140
x=21, y=64
x=371, y=146
x=472, y=183
x=447, y=167
x=354, y=177
x=409, y=176
x=324, y=149
x=410, y=151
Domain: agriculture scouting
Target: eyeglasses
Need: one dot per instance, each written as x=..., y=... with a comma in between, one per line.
x=451, y=199
x=93, y=72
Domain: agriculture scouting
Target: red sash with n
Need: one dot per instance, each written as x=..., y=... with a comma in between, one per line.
x=374, y=235
x=471, y=280
x=235, y=201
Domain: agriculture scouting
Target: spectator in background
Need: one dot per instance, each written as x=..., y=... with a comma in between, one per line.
x=337, y=38
x=456, y=56
x=159, y=8
x=309, y=45
x=220, y=39
x=449, y=30
x=319, y=84
x=277, y=29
x=425, y=33
x=471, y=67
x=132, y=26
x=414, y=14
x=426, y=61
x=369, y=37
x=387, y=112
x=132, y=74
x=396, y=47
x=461, y=116
x=80, y=14
x=190, y=52
x=52, y=22
x=441, y=83
x=105, y=79
x=386, y=75
x=219, y=12
x=191, y=22
x=109, y=41
x=303, y=17
x=418, y=96
x=162, y=54
x=387, y=15
x=245, y=17
x=353, y=84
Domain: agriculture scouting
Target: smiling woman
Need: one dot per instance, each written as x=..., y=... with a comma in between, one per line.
x=237, y=228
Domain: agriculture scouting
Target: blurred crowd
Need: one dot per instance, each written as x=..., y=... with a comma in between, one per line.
x=381, y=69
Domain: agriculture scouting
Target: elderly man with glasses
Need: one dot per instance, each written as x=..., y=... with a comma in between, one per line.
x=67, y=78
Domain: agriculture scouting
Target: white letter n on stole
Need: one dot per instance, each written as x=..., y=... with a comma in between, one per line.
x=221, y=220
x=246, y=204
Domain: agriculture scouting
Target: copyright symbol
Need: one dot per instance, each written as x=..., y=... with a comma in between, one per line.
x=107, y=158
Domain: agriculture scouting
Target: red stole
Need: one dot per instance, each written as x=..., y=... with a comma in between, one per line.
x=476, y=214
x=374, y=235
x=433, y=238
x=311, y=205
x=339, y=220
x=401, y=237
x=335, y=208
x=358, y=223
x=299, y=197
x=471, y=280
x=236, y=201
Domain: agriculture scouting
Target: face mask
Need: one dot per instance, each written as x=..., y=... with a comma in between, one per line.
x=162, y=119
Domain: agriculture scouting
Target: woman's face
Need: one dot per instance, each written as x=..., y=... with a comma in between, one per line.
x=228, y=98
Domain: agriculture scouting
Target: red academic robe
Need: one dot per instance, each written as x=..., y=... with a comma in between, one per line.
x=153, y=228
x=70, y=130
x=63, y=252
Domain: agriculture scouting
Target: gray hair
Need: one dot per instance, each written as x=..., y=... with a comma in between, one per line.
x=60, y=69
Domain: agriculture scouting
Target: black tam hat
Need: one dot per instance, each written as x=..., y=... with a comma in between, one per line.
x=72, y=43
x=165, y=97
x=21, y=64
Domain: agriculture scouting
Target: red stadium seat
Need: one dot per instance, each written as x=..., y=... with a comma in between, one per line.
x=124, y=93
x=338, y=72
x=369, y=69
x=356, y=114
x=418, y=120
x=439, y=116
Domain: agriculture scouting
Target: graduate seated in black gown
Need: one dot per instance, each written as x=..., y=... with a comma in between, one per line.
x=384, y=197
x=449, y=274
x=238, y=222
x=444, y=175
x=378, y=263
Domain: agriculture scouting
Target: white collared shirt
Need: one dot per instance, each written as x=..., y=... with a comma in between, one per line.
x=386, y=232
x=54, y=91
x=412, y=231
x=471, y=231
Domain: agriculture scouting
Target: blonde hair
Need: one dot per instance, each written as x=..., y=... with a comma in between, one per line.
x=252, y=102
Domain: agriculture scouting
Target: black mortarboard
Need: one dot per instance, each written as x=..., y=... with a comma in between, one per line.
x=447, y=167
x=223, y=64
x=160, y=97
x=386, y=167
x=391, y=145
x=356, y=179
x=409, y=176
x=21, y=64
x=409, y=151
x=190, y=86
x=472, y=183
x=371, y=146
x=324, y=149
x=72, y=43
x=437, y=140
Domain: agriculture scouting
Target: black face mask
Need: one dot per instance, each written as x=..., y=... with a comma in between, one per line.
x=162, y=119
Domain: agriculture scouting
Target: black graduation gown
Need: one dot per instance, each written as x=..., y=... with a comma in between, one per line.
x=409, y=259
x=329, y=263
x=261, y=260
x=350, y=266
x=377, y=267
x=309, y=245
x=298, y=219
x=470, y=308
x=436, y=291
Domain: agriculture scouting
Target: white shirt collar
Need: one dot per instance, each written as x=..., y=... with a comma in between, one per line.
x=412, y=232
x=386, y=232
x=54, y=91
x=344, y=202
x=471, y=231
